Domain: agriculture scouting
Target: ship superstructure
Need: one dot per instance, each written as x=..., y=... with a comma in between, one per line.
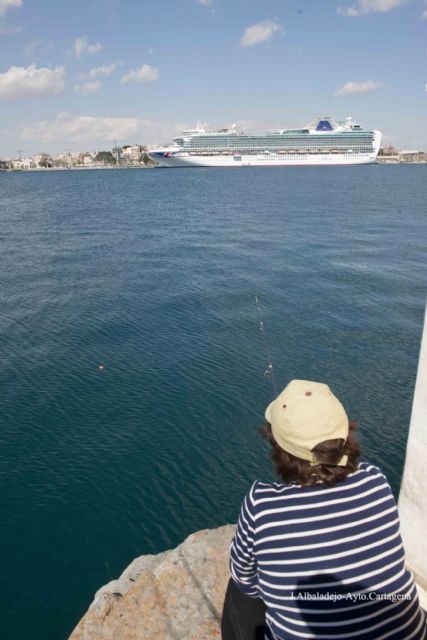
x=323, y=142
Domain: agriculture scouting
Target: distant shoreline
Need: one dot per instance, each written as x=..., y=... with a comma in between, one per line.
x=110, y=167
x=48, y=169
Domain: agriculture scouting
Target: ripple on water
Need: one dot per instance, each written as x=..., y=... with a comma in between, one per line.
x=99, y=466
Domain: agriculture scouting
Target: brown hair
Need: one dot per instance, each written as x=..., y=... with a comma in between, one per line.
x=295, y=470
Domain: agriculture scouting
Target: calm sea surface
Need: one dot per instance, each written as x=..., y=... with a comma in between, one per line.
x=153, y=274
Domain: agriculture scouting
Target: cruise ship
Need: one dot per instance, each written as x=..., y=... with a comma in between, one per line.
x=323, y=142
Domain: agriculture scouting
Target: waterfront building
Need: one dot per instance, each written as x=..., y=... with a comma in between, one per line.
x=412, y=156
x=87, y=158
x=23, y=164
x=131, y=152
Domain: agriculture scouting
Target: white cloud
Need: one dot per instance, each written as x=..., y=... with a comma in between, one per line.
x=5, y=5
x=363, y=7
x=83, y=47
x=38, y=47
x=104, y=71
x=88, y=87
x=424, y=13
x=146, y=74
x=91, y=79
x=205, y=2
x=80, y=129
x=260, y=32
x=97, y=132
x=21, y=82
x=9, y=30
x=358, y=87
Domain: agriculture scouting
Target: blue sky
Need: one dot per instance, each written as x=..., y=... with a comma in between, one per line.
x=79, y=75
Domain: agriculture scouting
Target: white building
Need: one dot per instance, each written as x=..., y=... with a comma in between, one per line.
x=131, y=153
x=86, y=158
x=23, y=164
x=412, y=156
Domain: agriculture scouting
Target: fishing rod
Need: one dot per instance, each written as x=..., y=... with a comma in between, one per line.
x=269, y=372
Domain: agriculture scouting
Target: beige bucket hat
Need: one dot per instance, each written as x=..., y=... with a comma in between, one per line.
x=304, y=414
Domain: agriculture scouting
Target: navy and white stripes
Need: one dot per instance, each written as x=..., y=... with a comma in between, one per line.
x=327, y=561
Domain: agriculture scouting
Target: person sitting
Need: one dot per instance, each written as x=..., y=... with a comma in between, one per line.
x=319, y=554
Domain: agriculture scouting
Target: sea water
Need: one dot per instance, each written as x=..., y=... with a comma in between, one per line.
x=132, y=364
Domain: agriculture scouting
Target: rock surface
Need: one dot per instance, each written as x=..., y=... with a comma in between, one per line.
x=175, y=595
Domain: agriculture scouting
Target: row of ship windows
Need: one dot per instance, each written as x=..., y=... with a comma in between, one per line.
x=268, y=141
x=293, y=157
x=323, y=136
x=289, y=145
x=356, y=147
x=303, y=154
x=236, y=141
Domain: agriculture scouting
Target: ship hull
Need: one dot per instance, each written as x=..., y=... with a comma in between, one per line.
x=271, y=160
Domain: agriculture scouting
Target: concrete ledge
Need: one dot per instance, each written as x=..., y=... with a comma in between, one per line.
x=413, y=496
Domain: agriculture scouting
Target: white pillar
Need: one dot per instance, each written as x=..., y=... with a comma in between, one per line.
x=413, y=491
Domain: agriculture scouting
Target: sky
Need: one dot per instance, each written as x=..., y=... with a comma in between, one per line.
x=86, y=74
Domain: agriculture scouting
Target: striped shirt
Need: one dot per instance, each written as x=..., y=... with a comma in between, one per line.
x=328, y=562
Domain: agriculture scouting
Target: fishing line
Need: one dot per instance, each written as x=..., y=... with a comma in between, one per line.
x=269, y=371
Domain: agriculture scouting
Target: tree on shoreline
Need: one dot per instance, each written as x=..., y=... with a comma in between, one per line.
x=146, y=160
x=105, y=157
x=46, y=162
